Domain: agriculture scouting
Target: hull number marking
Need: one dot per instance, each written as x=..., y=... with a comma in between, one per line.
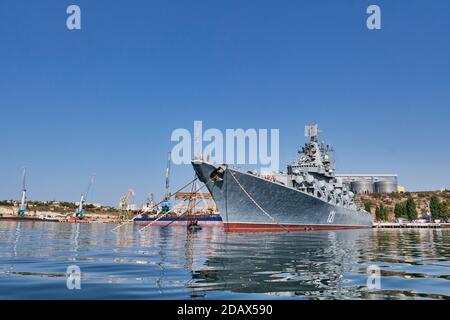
x=331, y=217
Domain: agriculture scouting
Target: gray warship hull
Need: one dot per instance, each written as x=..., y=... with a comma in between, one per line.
x=248, y=202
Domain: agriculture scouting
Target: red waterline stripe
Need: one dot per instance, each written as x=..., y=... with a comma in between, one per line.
x=232, y=226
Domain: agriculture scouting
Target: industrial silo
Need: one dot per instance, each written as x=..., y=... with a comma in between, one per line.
x=385, y=186
x=362, y=186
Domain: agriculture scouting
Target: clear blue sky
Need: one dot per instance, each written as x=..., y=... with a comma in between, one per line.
x=105, y=99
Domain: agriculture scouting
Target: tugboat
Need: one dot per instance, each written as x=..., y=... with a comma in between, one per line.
x=308, y=197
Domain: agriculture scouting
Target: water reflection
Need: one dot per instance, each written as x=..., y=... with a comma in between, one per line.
x=289, y=264
x=169, y=262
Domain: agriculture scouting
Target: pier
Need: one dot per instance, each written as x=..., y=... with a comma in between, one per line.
x=411, y=225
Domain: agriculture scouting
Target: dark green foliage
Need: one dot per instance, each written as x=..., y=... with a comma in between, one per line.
x=70, y=205
x=400, y=210
x=381, y=213
x=439, y=210
x=396, y=196
x=411, y=209
x=368, y=206
x=435, y=207
x=446, y=210
x=6, y=203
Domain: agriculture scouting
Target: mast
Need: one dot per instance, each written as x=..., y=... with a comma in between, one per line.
x=167, y=193
x=23, y=204
x=149, y=201
x=312, y=131
x=198, y=149
x=165, y=204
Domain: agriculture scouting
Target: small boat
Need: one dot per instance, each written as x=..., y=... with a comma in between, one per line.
x=193, y=226
x=50, y=218
x=76, y=220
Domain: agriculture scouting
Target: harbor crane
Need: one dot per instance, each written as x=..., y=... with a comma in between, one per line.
x=23, y=203
x=79, y=212
x=165, y=205
x=123, y=204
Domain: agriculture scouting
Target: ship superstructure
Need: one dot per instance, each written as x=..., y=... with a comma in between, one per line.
x=314, y=173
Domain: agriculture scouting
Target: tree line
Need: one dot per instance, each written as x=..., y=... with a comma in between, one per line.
x=408, y=210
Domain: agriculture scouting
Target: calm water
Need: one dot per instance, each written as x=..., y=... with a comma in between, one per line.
x=169, y=263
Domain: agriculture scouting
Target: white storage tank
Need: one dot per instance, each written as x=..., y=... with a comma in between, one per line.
x=385, y=186
x=362, y=186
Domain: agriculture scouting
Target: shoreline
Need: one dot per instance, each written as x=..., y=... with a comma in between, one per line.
x=376, y=225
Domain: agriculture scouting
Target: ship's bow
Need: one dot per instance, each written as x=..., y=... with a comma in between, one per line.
x=203, y=170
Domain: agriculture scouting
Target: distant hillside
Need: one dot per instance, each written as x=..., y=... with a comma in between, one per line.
x=56, y=207
x=389, y=200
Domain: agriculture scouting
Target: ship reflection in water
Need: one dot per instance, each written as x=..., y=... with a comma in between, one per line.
x=172, y=263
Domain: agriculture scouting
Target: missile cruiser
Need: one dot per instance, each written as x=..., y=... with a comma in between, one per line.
x=307, y=197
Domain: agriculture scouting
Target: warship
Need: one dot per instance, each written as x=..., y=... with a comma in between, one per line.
x=307, y=197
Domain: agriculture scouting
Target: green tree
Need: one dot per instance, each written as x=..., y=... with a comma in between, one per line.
x=411, y=209
x=397, y=210
x=400, y=210
x=368, y=206
x=381, y=213
x=385, y=213
x=446, y=210
x=403, y=210
x=436, y=208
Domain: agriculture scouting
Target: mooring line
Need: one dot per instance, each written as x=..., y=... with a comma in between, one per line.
x=256, y=204
x=157, y=219
x=155, y=206
x=195, y=203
